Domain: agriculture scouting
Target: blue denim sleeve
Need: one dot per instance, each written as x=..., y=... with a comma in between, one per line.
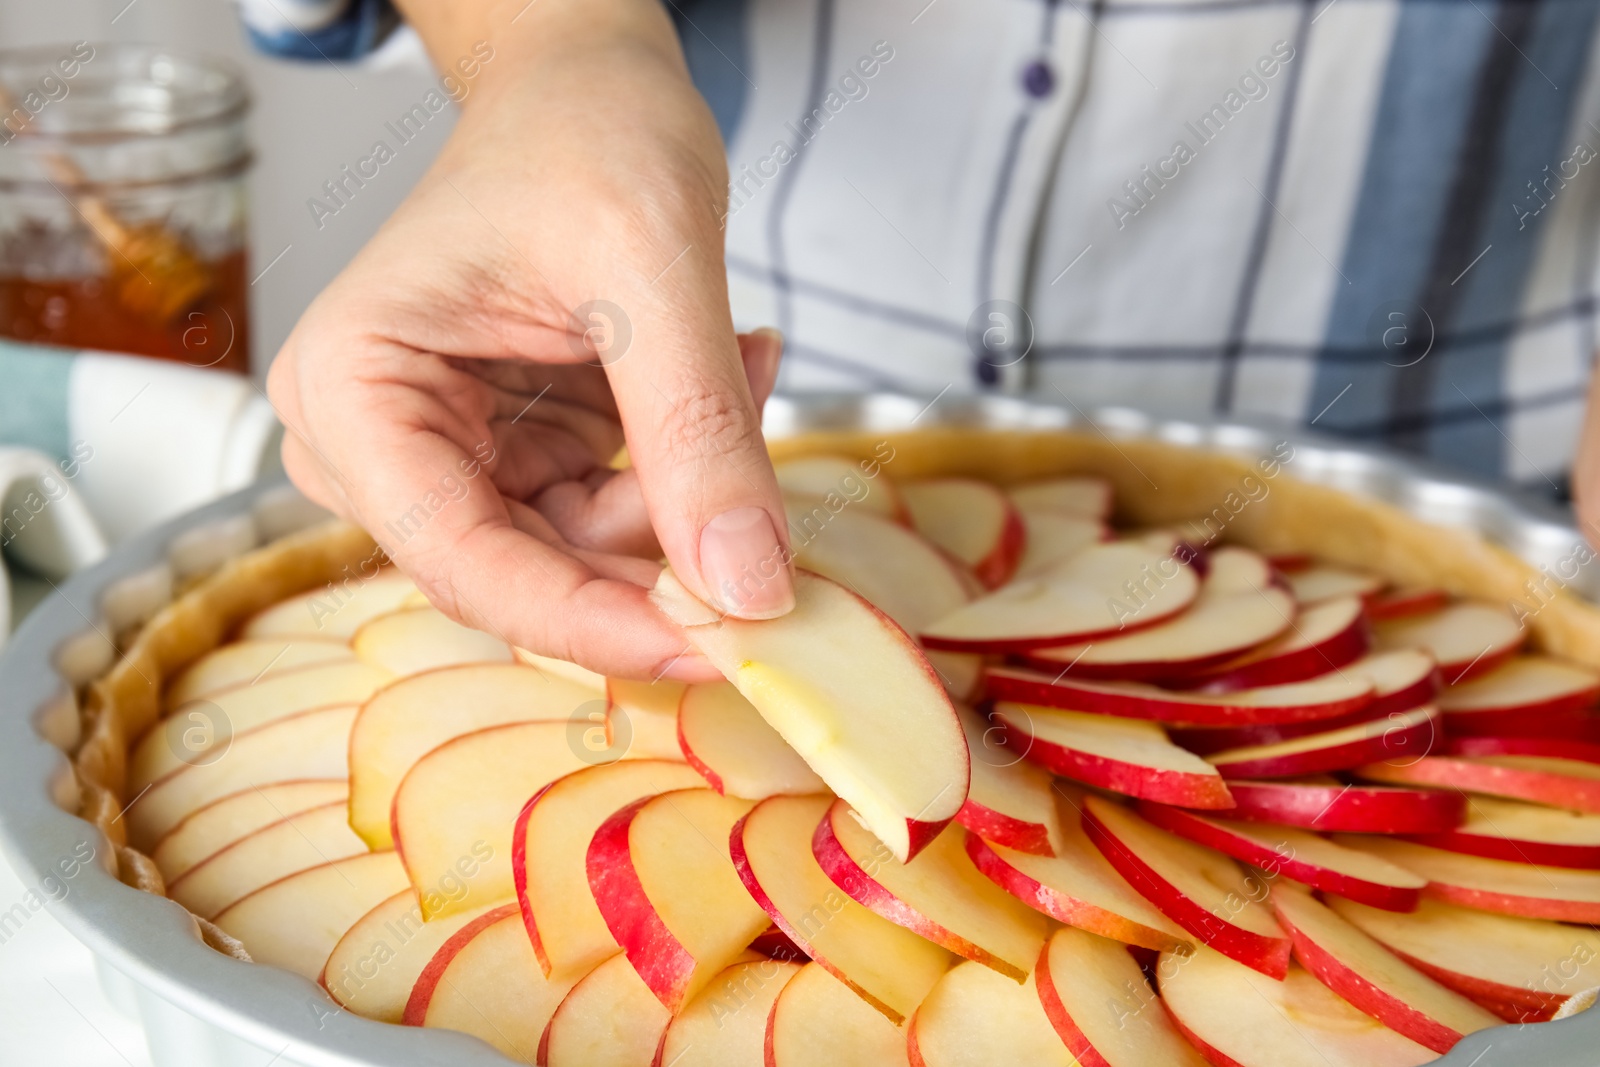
x=319, y=29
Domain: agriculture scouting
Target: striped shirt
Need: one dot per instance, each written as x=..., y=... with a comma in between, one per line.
x=1375, y=216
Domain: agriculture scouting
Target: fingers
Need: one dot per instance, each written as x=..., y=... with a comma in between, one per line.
x=761, y=350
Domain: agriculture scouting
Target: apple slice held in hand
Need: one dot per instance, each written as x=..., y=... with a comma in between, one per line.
x=818, y=1022
x=1106, y=589
x=1128, y=756
x=1086, y=495
x=852, y=694
x=975, y=1016
x=1326, y=804
x=1322, y=638
x=1524, y=695
x=1104, y=1010
x=1405, y=736
x=1200, y=889
x=1010, y=802
x=1297, y=854
x=972, y=520
x=1523, y=833
x=725, y=738
x=664, y=882
x=1372, y=978
x=1492, y=885
x=1468, y=638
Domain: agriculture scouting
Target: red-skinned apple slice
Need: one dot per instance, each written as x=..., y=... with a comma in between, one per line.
x=1331, y=696
x=1323, y=638
x=666, y=886
x=1521, y=696
x=561, y=668
x=1407, y=735
x=455, y=809
x=222, y=822
x=643, y=719
x=888, y=966
x=1198, y=888
x=1086, y=495
x=852, y=694
x=1104, y=1011
x=376, y=964
x=421, y=639
x=1372, y=978
x=819, y=477
x=249, y=661
x=333, y=612
x=818, y=1022
x=1129, y=756
x=549, y=859
x=977, y=1016
x=1468, y=638
x=1326, y=804
x=1297, y=854
x=1106, y=589
x=1238, y=1018
x=1010, y=802
x=1497, y=960
x=1573, y=784
x=1052, y=539
x=1493, y=885
x=1324, y=581
x=940, y=895
x=608, y=1019
x=1238, y=608
x=1404, y=603
x=725, y=738
x=295, y=922
x=972, y=520
x=409, y=718
x=1524, y=833
x=726, y=1025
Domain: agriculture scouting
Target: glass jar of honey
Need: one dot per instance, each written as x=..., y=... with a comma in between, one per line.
x=123, y=203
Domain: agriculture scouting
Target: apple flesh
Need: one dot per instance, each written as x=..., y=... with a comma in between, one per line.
x=414, y=640
x=222, y=822
x=1493, y=885
x=1104, y=1010
x=1239, y=1018
x=1106, y=589
x=329, y=613
x=1403, y=736
x=972, y=520
x=1323, y=581
x=851, y=693
x=885, y=965
x=1566, y=783
x=561, y=668
x=1525, y=833
x=663, y=879
x=1324, y=637
x=977, y=1016
x=818, y=1022
x=1323, y=803
x=1051, y=539
x=549, y=857
x=1010, y=802
x=1329, y=697
x=725, y=738
x=610, y=1018
x=1086, y=496
x=1524, y=695
x=1296, y=854
x=643, y=718
x=819, y=477
x=408, y=719
x=1403, y=603
x=244, y=662
x=1198, y=888
x=726, y=1025
x=1468, y=638
x=1128, y=756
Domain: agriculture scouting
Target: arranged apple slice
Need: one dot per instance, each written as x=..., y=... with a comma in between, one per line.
x=725, y=738
x=549, y=860
x=1128, y=756
x=1010, y=802
x=377, y=962
x=1467, y=638
x=1238, y=1018
x=1050, y=539
x=1106, y=1014
x=313, y=744
x=1502, y=962
x=406, y=720
x=1372, y=978
x=295, y=922
x=726, y=1025
x=1106, y=589
x=664, y=882
x=1404, y=736
x=850, y=692
x=1331, y=696
x=561, y=668
x=610, y=1018
x=222, y=822
x=1573, y=784
x=1298, y=855
x=333, y=611
x=1524, y=695
x=1324, y=581
x=201, y=731
x=886, y=965
x=1198, y=888
x=1404, y=603
x=1087, y=495
x=244, y=662
x=977, y=1016
x=1237, y=609
x=643, y=720
x=455, y=810
x=1326, y=804
x=822, y=477
x=294, y=843
x=1493, y=885
x=1524, y=833
x=484, y=981
x=940, y=895
x=972, y=520
x=1323, y=638
x=818, y=1022
x=420, y=639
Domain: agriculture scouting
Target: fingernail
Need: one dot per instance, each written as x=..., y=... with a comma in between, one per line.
x=743, y=565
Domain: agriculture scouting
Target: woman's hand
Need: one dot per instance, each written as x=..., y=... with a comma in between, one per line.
x=552, y=289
